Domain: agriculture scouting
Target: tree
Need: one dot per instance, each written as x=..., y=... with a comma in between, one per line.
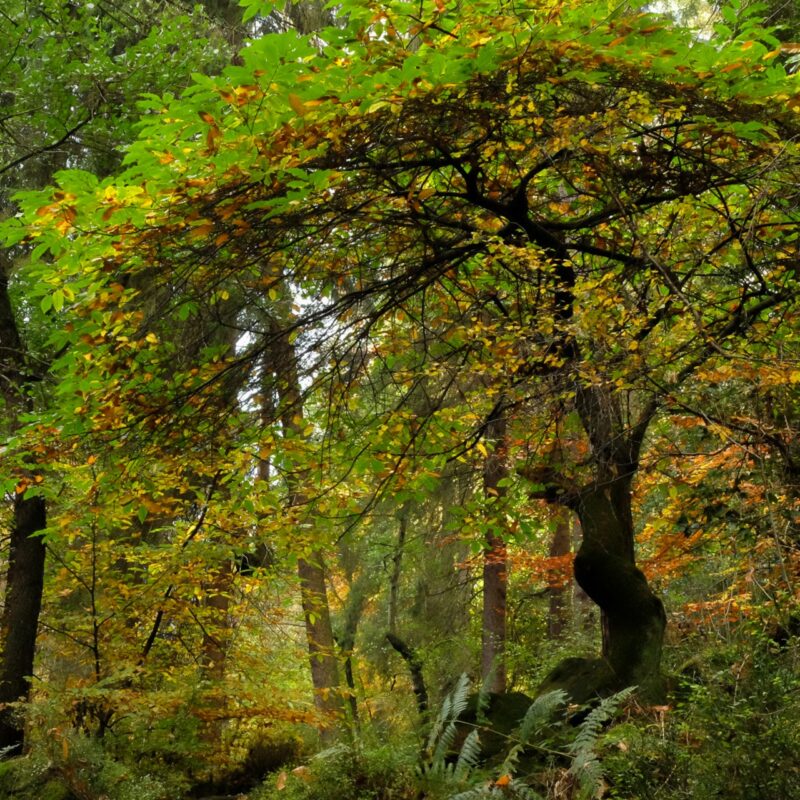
x=84, y=117
x=578, y=209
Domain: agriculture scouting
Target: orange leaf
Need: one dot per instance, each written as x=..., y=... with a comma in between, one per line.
x=732, y=67
x=298, y=106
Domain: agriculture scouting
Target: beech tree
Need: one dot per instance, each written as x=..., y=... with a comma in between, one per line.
x=544, y=221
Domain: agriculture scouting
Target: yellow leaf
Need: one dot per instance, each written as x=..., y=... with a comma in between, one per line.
x=280, y=784
x=481, y=448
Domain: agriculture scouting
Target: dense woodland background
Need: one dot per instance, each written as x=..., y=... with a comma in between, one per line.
x=400, y=399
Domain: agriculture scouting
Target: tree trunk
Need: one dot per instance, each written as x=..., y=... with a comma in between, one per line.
x=412, y=658
x=21, y=613
x=633, y=617
x=560, y=545
x=311, y=569
x=495, y=563
x=319, y=633
x=26, y=555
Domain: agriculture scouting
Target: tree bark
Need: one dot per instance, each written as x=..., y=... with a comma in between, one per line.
x=21, y=614
x=311, y=568
x=26, y=554
x=495, y=563
x=319, y=634
x=411, y=657
x=633, y=617
x=560, y=545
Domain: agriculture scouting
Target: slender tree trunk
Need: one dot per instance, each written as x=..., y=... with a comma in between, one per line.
x=21, y=613
x=495, y=564
x=411, y=657
x=397, y=563
x=319, y=633
x=560, y=545
x=310, y=568
x=215, y=643
x=354, y=609
x=406, y=651
x=26, y=554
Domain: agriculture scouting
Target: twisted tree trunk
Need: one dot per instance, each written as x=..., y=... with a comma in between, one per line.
x=633, y=617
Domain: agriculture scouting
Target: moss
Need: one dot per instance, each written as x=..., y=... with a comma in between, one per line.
x=583, y=679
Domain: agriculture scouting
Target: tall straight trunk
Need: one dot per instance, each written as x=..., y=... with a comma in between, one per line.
x=26, y=552
x=310, y=568
x=215, y=643
x=319, y=634
x=406, y=651
x=560, y=545
x=495, y=563
x=21, y=614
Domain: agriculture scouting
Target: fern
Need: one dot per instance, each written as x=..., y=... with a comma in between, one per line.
x=443, y=735
x=540, y=713
x=586, y=767
x=452, y=707
x=469, y=756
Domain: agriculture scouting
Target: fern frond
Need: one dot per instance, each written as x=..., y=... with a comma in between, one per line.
x=590, y=728
x=453, y=705
x=585, y=765
x=589, y=773
x=509, y=765
x=459, y=696
x=469, y=756
x=518, y=789
x=515, y=790
x=539, y=713
x=445, y=743
x=475, y=793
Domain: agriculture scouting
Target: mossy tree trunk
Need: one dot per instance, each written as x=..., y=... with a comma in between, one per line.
x=633, y=618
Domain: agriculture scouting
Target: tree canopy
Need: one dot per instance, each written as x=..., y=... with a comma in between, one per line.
x=401, y=281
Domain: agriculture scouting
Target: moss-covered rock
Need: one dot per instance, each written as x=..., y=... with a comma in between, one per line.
x=583, y=679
